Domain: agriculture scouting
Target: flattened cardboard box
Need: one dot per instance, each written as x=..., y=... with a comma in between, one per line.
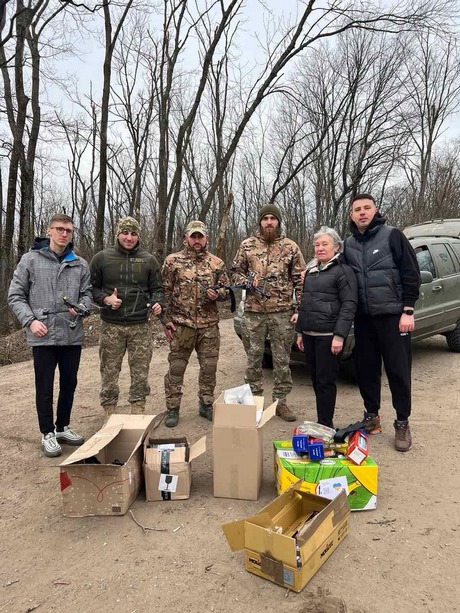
x=106, y=488
x=282, y=544
x=168, y=467
x=238, y=447
x=362, y=480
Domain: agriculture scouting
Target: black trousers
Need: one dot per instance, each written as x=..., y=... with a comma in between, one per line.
x=324, y=369
x=46, y=358
x=376, y=339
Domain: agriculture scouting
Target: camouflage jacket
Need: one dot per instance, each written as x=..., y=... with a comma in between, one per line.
x=281, y=261
x=186, y=275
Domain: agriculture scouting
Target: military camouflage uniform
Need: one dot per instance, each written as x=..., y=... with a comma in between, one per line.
x=136, y=275
x=282, y=262
x=186, y=276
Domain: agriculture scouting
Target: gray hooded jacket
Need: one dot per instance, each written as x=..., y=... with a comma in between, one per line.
x=39, y=284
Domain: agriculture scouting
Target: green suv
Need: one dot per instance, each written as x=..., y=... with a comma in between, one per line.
x=437, y=311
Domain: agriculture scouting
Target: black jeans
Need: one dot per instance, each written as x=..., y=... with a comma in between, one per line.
x=376, y=339
x=324, y=369
x=46, y=358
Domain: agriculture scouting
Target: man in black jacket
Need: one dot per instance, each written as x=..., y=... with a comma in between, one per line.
x=388, y=286
x=126, y=280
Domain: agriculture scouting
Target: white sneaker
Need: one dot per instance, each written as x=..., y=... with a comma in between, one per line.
x=50, y=446
x=69, y=437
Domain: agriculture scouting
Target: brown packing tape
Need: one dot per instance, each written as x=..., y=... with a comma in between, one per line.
x=233, y=476
x=342, y=511
x=273, y=568
x=234, y=469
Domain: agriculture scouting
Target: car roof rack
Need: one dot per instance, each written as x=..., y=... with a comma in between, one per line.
x=434, y=227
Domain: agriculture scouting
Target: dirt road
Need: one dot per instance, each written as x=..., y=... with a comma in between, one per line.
x=404, y=556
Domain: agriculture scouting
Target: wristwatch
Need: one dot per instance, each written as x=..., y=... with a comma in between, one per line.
x=408, y=311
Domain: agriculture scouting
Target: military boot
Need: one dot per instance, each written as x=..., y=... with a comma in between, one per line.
x=138, y=407
x=172, y=418
x=205, y=410
x=284, y=412
x=109, y=409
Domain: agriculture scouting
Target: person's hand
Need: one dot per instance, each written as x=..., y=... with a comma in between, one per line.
x=72, y=311
x=294, y=318
x=170, y=328
x=299, y=343
x=336, y=346
x=302, y=275
x=211, y=294
x=38, y=328
x=156, y=309
x=406, y=323
x=113, y=300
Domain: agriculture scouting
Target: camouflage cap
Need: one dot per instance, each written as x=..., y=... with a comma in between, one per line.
x=196, y=226
x=128, y=224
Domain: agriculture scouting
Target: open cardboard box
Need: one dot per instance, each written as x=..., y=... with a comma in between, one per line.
x=104, y=476
x=168, y=467
x=291, y=538
x=361, y=481
x=238, y=447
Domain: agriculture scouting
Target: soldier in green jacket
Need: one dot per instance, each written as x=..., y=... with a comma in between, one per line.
x=126, y=281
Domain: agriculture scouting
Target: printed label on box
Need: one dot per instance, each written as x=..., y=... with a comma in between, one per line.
x=168, y=483
x=286, y=453
x=166, y=447
x=330, y=488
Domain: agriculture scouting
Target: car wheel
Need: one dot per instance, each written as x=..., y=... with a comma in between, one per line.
x=453, y=339
x=267, y=361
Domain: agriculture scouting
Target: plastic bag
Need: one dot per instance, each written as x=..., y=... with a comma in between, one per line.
x=311, y=428
x=239, y=395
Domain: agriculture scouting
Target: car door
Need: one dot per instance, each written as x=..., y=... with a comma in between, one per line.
x=427, y=306
x=438, y=307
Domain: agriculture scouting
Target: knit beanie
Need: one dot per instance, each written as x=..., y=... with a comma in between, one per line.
x=128, y=224
x=270, y=209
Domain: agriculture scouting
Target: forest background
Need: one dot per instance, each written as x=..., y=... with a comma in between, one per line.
x=170, y=110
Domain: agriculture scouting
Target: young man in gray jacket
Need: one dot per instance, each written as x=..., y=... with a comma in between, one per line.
x=49, y=273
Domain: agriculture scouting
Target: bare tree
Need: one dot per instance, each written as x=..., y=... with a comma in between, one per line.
x=432, y=83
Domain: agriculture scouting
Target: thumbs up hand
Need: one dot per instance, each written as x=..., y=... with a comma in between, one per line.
x=113, y=301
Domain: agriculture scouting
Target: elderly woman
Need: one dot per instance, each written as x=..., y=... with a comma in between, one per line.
x=326, y=312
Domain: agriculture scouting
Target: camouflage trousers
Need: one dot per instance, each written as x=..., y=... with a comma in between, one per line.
x=114, y=341
x=206, y=342
x=255, y=327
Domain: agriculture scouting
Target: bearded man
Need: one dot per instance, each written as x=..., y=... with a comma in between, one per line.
x=277, y=265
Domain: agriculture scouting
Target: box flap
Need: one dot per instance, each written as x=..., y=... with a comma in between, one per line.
x=268, y=414
x=197, y=448
x=234, y=533
x=93, y=445
x=135, y=422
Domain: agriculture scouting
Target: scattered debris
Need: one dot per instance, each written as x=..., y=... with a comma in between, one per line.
x=381, y=522
x=30, y=609
x=11, y=582
x=61, y=582
x=146, y=528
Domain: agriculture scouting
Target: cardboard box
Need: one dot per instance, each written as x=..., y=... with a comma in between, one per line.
x=280, y=546
x=102, y=487
x=238, y=447
x=168, y=467
x=362, y=480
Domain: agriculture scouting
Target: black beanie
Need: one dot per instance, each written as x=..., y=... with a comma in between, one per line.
x=270, y=209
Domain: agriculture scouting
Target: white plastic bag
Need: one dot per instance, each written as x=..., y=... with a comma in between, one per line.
x=239, y=395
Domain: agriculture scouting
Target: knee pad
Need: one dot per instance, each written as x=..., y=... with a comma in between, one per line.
x=177, y=368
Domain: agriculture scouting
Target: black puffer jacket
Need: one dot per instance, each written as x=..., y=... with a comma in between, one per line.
x=329, y=299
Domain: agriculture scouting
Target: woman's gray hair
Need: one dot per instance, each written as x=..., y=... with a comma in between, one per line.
x=332, y=233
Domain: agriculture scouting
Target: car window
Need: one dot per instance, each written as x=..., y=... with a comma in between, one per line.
x=425, y=261
x=445, y=262
x=456, y=246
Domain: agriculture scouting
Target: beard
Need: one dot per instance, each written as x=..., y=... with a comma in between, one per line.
x=270, y=234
